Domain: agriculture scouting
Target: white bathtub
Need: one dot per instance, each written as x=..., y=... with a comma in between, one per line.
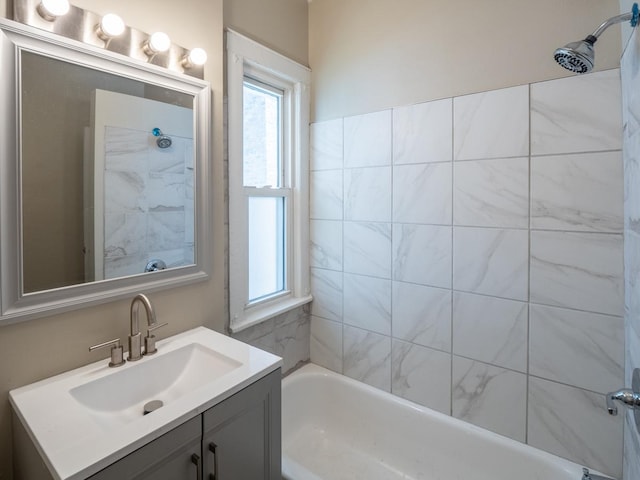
x=334, y=427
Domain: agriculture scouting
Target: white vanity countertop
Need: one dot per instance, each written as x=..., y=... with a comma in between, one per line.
x=77, y=441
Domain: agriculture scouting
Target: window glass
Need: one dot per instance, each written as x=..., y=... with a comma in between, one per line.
x=266, y=247
x=262, y=132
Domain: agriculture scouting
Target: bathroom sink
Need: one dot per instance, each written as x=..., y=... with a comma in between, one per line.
x=122, y=396
x=84, y=420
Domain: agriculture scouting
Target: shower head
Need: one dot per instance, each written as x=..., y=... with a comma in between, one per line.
x=579, y=57
x=163, y=141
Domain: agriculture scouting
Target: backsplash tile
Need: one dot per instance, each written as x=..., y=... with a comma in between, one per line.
x=492, y=330
x=327, y=293
x=422, y=193
x=421, y=375
x=576, y=114
x=326, y=343
x=326, y=200
x=422, y=315
x=490, y=397
x=491, y=124
x=582, y=349
x=577, y=270
x=367, y=357
x=574, y=424
x=422, y=133
x=491, y=261
x=367, y=140
x=422, y=254
x=290, y=339
x=326, y=145
x=578, y=192
x=367, y=194
x=326, y=244
x=286, y=335
x=503, y=265
x=369, y=304
x=367, y=248
x=492, y=193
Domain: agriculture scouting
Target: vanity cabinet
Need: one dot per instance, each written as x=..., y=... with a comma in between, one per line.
x=242, y=436
x=166, y=458
x=239, y=438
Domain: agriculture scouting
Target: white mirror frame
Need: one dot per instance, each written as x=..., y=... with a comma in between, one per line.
x=16, y=306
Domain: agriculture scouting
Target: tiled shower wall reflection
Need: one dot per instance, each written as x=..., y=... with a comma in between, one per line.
x=630, y=67
x=467, y=255
x=149, y=202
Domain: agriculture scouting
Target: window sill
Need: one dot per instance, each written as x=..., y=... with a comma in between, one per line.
x=258, y=315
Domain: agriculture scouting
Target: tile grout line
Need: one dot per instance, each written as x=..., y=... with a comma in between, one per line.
x=453, y=145
x=391, y=161
x=528, y=377
x=342, y=329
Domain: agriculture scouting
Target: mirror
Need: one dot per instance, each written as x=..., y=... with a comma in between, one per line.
x=104, y=174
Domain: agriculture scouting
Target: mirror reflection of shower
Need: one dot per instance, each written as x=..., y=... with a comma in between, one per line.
x=143, y=194
x=579, y=57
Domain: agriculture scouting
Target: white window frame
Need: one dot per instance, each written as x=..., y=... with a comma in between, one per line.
x=246, y=57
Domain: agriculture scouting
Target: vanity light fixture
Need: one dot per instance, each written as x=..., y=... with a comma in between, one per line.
x=110, y=26
x=158, y=42
x=52, y=9
x=109, y=32
x=196, y=57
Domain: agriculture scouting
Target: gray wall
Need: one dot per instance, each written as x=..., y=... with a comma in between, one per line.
x=467, y=255
x=281, y=25
x=378, y=54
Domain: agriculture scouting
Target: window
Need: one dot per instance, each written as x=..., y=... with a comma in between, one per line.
x=268, y=182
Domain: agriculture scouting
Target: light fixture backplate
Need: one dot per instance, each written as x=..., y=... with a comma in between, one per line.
x=80, y=25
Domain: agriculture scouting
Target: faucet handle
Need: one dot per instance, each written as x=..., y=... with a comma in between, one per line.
x=629, y=398
x=150, y=340
x=117, y=358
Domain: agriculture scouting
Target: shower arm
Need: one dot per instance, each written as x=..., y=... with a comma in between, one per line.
x=632, y=16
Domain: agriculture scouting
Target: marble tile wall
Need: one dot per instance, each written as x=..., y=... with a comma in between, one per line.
x=286, y=335
x=467, y=254
x=148, y=202
x=630, y=72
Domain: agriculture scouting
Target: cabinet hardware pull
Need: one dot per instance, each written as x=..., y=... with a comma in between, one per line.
x=212, y=449
x=196, y=460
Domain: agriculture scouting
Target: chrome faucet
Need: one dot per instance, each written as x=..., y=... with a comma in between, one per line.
x=627, y=397
x=135, y=345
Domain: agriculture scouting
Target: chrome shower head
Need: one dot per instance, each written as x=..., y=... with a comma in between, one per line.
x=579, y=57
x=163, y=141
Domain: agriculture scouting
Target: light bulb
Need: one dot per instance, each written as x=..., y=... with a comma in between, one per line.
x=51, y=9
x=110, y=26
x=196, y=57
x=158, y=42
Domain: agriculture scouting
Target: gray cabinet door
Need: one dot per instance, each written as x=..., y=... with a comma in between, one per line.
x=242, y=435
x=174, y=456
